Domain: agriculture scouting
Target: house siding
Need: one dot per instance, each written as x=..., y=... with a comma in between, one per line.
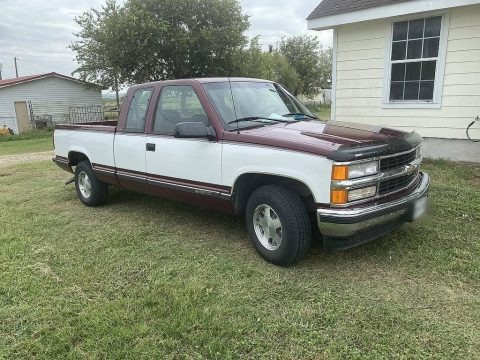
x=360, y=78
x=49, y=96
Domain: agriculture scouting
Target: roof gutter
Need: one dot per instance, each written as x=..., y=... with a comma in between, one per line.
x=382, y=12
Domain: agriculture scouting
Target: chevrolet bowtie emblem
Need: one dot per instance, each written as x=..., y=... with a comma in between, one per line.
x=410, y=169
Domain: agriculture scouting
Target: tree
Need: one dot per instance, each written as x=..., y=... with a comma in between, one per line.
x=147, y=40
x=251, y=60
x=277, y=68
x=255, y=63
x=325, y=68
x=305, y=54
x=98, y=40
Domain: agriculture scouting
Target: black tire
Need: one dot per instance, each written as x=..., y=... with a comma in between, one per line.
x=98, y=190
x=296, y=232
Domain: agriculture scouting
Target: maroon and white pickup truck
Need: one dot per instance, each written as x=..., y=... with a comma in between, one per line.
x=249, y=147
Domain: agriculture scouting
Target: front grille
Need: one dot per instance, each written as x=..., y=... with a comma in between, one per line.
x=397, y=161
x=395, y=184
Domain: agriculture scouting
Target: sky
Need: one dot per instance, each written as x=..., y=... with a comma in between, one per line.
x=38, y=32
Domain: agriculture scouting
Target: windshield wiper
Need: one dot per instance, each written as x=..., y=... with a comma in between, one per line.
x=301, y=114
x=256, y=118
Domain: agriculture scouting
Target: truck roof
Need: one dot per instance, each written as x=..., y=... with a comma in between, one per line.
x=232, y=79
x=203, y=81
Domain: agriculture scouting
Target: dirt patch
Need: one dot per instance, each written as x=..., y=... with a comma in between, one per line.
x=22, y=158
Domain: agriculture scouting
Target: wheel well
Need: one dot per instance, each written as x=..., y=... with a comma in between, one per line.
x=246, y=184
x=74, y=158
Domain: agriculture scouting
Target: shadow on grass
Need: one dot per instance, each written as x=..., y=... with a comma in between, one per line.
x=187, y=215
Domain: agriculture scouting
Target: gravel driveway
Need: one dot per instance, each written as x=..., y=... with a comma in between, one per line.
x=21, y=158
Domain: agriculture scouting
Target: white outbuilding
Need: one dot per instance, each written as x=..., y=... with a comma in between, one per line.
x=51, y=98
x=407, y=64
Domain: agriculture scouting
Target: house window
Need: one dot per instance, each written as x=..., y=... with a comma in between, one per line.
x=414, y=60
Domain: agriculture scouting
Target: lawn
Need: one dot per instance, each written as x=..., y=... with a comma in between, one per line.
x=323, y=112
x=26, y=146
x=33, y=141
x=148, y=278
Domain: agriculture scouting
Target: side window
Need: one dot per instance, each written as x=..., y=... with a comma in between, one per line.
x=137, y=112
x=178, y=104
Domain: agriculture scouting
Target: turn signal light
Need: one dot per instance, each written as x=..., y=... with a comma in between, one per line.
x=340, y=172
x=339, y=197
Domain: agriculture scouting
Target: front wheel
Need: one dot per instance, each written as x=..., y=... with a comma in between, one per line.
x=278, y=225
x=90, y=190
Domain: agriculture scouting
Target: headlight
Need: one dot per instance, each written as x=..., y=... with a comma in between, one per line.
x=361, y=170
x=345, y=172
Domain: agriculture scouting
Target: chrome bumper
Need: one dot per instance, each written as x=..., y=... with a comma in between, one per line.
x=345, y=228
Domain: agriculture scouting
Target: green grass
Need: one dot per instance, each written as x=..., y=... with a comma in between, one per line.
x=33, y=134
x=32, y=141
x=26, y=146
x=324, y=114
x=149, y=278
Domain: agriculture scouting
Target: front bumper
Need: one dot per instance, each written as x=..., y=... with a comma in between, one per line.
x=345, y=228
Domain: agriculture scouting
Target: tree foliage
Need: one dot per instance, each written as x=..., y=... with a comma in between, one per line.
x=97, y=40
x=147, y=40
x=299, y=63
x=305, y=54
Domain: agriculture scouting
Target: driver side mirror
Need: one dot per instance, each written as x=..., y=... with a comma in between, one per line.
x=194, y=130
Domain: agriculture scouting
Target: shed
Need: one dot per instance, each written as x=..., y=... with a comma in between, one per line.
x=50, y=97
x=407, y=64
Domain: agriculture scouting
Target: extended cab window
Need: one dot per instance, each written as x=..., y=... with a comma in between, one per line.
x=178, y=104
x=137, y=112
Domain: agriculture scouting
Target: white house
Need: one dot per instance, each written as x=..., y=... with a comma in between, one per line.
x=47, y=95
x=407, y=64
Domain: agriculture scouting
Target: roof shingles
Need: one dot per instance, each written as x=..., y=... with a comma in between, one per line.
x=335, y=7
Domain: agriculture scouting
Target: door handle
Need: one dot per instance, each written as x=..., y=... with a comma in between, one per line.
x=150, y=147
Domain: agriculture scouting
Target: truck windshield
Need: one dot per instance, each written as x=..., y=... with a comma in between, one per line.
x=262, y=102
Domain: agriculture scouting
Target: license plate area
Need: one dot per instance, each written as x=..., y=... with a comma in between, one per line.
x=419, y=208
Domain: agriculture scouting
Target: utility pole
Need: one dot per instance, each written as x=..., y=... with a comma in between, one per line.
x=16, y=67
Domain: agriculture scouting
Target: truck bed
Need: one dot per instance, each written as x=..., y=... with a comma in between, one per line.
x=109, y=126
x=95, y=140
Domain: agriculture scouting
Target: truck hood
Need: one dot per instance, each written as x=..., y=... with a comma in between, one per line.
x=339, y=141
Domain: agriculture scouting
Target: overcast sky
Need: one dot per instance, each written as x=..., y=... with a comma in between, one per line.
x=39, y=31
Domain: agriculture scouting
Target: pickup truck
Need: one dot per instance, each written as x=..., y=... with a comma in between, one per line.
x=247, y=146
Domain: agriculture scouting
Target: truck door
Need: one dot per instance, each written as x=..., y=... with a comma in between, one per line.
x=182, y=168
x=129, y=146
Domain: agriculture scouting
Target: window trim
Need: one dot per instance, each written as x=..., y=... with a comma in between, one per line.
x=440, y=69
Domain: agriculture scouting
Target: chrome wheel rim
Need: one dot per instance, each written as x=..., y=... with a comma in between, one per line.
x=268, y=227
x=84, y=184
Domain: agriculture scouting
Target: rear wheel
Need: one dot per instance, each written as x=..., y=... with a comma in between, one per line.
x=278, y=225
x=90, y=190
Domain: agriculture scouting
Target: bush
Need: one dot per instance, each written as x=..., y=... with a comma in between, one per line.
x=32, y=134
